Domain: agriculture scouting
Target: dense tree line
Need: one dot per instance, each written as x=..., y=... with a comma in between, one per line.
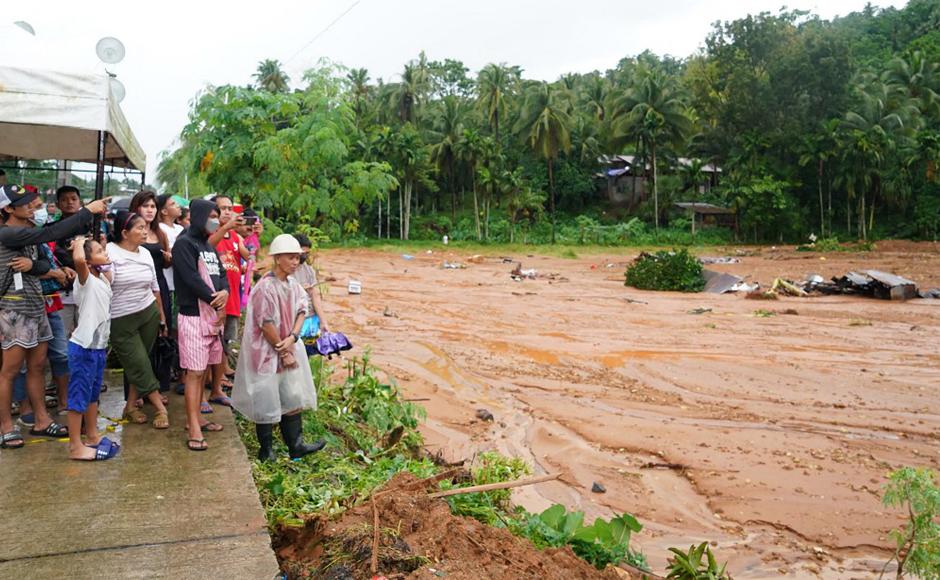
x=829, y=127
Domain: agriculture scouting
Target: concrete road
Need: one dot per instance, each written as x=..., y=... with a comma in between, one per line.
x=157, y=510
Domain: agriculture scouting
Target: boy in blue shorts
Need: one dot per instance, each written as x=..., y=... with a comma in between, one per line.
x=88, y=350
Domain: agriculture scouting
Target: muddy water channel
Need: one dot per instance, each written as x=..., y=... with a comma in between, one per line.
x=769, y=436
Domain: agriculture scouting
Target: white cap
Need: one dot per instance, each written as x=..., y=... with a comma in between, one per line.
x=285, y=244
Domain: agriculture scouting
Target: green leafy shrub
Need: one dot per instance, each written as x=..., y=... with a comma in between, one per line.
x=697, y=564
x=917, y=543
x=677, y=270
x=490, y=507
x=603, y=542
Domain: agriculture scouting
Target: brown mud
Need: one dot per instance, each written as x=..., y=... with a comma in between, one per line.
x=419, y=538
x=770, y=436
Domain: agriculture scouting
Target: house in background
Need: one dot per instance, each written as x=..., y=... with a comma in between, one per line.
x=626, y=184
x=706, y=215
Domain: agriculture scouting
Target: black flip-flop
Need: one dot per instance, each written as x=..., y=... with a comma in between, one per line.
x=54, y=430
x=191, y=441
x=208, y=427
x=7, y=438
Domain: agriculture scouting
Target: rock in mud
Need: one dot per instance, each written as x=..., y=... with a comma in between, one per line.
x=484, y=415
x=598, y=488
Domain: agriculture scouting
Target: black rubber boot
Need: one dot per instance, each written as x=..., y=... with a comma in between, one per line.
x=266, y=442
x=292, y=432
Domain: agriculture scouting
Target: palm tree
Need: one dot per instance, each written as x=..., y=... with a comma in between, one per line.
x=521, y=200
x=469, y=150
x=409, y=93
x=546, y=126
x=412, y=161
x=651, y=113
x=359, y=87
x=919, y=76
x=448, y=127
x=495, y=86
x=270, y=77
x=879, y=125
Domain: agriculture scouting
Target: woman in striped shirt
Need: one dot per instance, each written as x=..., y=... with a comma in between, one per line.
x=136, y=315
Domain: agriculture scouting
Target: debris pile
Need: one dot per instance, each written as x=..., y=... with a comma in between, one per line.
x=873, y=283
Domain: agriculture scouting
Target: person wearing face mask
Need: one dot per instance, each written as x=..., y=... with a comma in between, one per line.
x=307, y=277
x=24, y=326
x=201, y=295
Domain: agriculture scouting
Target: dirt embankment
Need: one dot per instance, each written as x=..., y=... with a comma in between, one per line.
x=420, y=539
x=769, y=435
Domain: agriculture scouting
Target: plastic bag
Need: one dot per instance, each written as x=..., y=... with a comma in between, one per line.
x=309, y=333
x=331, y=343
x=165, y=359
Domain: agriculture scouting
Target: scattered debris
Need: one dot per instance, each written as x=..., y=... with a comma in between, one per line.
x=408, y=256
x=389, y=313
x=355, y=287
x=699, y=310
x=787, y=287
x=484, y=415
x=758, y=295
x=518, y=274
x=598, y=488
x=932, y=293
x=859, y=322
x=453, y=265
x=476, y=259
x=719, y=283
x=671, y=466
x=872, y=283
x=708, y=260
x=761, y=313
x=633, y=301
x=789, y=312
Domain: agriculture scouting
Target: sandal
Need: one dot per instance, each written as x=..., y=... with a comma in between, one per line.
x=105, y=449
x=161, y=421
x=134, y=415
x=54, y=430
x=224, y=401
x=211, y=427
x=8, y=439
x=205, y=408
x=201, y=444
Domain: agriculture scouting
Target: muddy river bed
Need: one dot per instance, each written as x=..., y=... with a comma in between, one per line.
x=770, y=435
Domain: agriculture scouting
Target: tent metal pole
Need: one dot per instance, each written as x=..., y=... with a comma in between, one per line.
x=99, y=176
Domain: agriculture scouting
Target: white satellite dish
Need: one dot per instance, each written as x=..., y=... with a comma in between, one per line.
x=25, y=26
x=117, y=89
x=110, y=50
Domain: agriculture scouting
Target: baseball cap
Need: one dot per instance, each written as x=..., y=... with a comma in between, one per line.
x=16, y=195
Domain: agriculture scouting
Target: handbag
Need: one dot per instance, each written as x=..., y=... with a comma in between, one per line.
x=309, y=333
x=165, y=358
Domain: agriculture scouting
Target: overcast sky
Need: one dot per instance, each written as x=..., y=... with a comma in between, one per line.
x=175, y=48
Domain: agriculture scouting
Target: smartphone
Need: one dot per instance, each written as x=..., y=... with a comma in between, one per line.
x=250, y=220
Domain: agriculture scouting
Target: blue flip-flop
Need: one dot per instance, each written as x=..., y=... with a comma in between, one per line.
x=205, y=408
x=105, y=449
x=224, y=401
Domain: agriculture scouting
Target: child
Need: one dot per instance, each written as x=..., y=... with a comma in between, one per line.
x=88, y=350
x=273, y=381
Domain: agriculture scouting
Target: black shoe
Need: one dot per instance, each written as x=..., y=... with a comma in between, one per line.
x=266, y=442
x=292, y=432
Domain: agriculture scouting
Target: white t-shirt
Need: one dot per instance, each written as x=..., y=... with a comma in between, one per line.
x=94, y=313
x=134, y=282
x=171, y=234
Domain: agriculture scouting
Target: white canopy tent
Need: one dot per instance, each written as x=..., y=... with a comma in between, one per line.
x=56, y=115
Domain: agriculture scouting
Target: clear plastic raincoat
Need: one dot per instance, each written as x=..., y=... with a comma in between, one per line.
x=264, y=390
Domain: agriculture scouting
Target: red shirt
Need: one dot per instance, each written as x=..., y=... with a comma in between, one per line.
x=230, y=256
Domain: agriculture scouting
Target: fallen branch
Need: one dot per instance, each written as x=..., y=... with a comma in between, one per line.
x=375, y=538
x=642, y=573
x=495, y=486
x=421, y=483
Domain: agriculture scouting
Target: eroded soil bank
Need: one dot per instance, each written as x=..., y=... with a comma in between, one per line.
x=768, y=435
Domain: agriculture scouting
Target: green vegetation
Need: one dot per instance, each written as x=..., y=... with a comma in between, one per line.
x=825, y=127
x=917, y=543
x=697, y=564
x=372, y=435
x=675, y=270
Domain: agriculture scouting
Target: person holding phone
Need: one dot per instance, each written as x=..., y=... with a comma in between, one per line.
x=24, y=325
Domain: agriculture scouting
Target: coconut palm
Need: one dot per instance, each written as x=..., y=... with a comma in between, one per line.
x=652, y=114
x=495, y=86
x=880, y=124
x=469, y=150
x=411, y=159
x=270, y=77
x=545, y=125
x=446, y=133
x=359, y=89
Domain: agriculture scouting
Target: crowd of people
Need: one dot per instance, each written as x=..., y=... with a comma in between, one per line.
x=154, y=277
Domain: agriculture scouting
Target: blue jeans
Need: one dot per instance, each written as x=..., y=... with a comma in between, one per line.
x=58, y=346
